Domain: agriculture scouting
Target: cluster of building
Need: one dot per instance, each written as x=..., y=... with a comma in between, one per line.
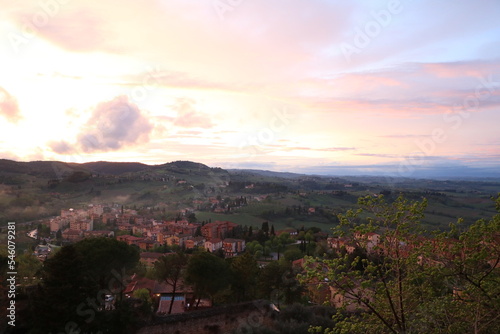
x=184, y=234
x=146, y=233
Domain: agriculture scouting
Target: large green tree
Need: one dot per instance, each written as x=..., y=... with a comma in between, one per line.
x=209, y=274
x=469, y=267
x=75, y=282
x=65, y=286
x=407, y=283
x=109, y=261
x=169, y=269
x=278, y=282
x=244, y=274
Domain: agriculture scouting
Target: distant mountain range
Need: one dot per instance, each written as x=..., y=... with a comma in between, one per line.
x=430, y=171
x=54, y=169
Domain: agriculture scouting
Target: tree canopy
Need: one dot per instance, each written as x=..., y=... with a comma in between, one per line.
x=74, y=284
x=169, y=269
x=390, y=277
x=208, y=274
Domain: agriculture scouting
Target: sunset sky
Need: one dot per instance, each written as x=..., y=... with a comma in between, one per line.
x=316, y=86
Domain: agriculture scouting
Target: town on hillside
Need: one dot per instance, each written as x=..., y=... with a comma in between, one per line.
x=147, y=234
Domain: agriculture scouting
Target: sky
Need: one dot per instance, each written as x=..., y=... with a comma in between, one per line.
x=405, y=88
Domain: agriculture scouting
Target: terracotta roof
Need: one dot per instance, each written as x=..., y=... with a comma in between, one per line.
x=142, y=283
x=298, y=263
x=129, y=237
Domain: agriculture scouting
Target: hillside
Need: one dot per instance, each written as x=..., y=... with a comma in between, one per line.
x=33, y=190
x=114, y=168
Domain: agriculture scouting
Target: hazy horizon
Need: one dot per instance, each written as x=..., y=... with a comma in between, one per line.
x=385, y=171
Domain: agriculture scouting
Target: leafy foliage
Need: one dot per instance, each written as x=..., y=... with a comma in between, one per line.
x=75, y=282
x=208, y=274
x=407, y=283
x=170, y=268
x=107, y=258
x=244, y=274
x=65, y=287
x=277, y=282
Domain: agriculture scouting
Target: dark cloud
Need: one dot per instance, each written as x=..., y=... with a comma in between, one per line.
x=9, y=107
x=113, y=125
x=61, y=147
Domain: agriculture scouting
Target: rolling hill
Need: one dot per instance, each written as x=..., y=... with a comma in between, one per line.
x=32, y=190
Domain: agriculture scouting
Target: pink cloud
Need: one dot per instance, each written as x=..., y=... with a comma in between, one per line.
x=462, y=69
x=304, y=148
x=9, y=156
x=112, y=126
x=188, y=116
x=78, y=30
x=399, y=108
x=411, y=89
x=9, y=107
x=371, y=81
x=257, y=40
x=171, y=79
x=190, y=133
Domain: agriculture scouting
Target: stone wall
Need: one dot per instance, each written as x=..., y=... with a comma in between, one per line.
x=240, y=318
